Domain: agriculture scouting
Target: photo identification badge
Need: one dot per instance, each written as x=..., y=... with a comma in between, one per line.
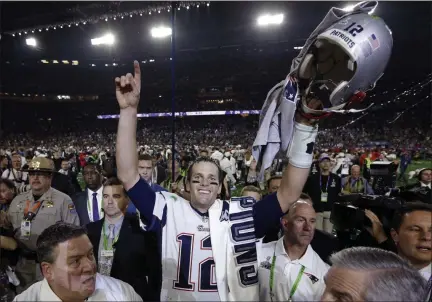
x=107, y=253
x=324, y=197
x=25, y=229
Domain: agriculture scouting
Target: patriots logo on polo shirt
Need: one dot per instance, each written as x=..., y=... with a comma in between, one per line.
x=312, y=277
x=266, y=264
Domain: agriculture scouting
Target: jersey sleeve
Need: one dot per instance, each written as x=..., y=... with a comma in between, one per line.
x=267, y=213
x=152, y=206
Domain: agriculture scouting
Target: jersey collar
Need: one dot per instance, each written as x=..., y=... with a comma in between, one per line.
x=206, y=214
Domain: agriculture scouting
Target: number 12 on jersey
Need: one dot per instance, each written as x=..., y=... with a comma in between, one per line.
x=206, y=283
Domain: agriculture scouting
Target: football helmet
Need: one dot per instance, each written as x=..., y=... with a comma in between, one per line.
x=344, y=61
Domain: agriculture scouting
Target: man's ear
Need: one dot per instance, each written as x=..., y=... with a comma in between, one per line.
x=47, y=272
x=220, y=189
x=394, y=236
x=284, y=223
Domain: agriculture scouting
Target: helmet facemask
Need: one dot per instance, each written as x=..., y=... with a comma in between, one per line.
x=325, y=70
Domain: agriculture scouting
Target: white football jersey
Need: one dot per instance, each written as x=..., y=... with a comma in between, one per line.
x=197, y=266
x=187, y=257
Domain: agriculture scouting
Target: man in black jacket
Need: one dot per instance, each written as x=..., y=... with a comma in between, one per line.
x=421, y=190
x=122, y=249
x=323, y=187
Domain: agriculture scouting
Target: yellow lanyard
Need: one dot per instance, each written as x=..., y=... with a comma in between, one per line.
x=296, y=282
x=105, y=240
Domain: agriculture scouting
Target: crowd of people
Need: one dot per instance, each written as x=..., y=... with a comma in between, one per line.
x=125, y=217
x=222, y=132
x=195, y=209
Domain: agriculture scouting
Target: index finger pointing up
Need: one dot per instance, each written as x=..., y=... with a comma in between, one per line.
x=137, y=71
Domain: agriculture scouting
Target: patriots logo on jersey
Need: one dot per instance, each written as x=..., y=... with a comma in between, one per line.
x=224, y=216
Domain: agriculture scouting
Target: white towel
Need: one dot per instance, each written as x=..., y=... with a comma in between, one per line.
x=276, y=124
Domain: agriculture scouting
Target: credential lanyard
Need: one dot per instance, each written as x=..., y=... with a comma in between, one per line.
x=35, y=209
x=296, y=282
x=105, y=239
x=327, y=184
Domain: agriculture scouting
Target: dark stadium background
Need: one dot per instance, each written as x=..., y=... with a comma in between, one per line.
x=220, y=54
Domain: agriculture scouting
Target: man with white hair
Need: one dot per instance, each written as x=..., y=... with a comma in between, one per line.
x=290, y=270
x=356, y=184
x=370, y=274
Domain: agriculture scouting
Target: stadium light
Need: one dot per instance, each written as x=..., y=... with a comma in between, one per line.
x=266, y=20
x=350, y=8
x=298, y=47
x=63, y=97
x=161, y=32
x=108, y=39
x=31, y=42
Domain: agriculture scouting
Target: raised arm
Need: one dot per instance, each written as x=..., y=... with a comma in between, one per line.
x=128, y=89
x=267, y=212
x=300, y=156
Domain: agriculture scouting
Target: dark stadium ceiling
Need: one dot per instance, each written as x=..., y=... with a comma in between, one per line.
x=220, y=24
x=223, y=31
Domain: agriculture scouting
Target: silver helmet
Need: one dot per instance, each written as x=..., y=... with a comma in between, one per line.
x=344, y=61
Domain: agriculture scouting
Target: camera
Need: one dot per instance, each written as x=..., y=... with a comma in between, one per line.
x=348, y=211
x=384, y=176
x=413, y=193
x=350, y=221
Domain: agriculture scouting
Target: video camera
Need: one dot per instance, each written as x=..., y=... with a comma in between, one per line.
x=348, y=211
x=413, y=193
x=384, y=176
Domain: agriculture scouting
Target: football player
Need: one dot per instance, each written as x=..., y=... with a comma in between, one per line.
x=209, y=245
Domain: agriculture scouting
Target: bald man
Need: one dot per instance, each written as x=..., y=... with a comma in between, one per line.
x=355, y=183
x=290, y=270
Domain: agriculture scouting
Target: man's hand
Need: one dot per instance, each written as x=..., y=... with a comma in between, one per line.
x=128, y=88
x=313, y=104
x=377, y=230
